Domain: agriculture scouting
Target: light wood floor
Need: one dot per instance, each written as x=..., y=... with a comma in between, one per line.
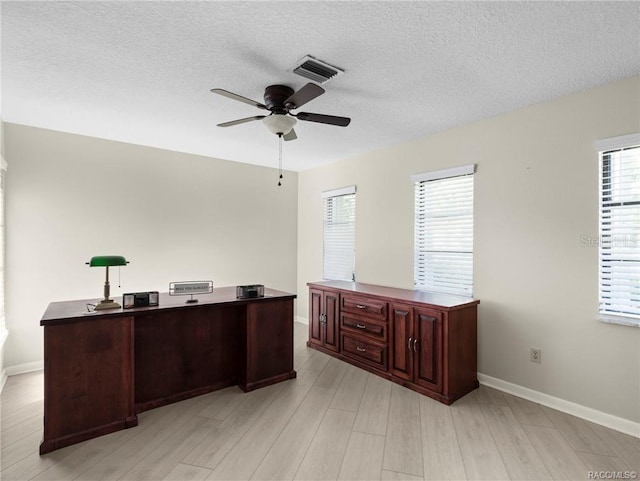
x=334, y=421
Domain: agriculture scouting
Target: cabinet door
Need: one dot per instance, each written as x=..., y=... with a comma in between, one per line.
x=402, y=341
x=315, y=311
x=428, y=331
x=331, y=320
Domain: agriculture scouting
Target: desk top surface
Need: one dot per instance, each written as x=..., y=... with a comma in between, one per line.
x=76, y=310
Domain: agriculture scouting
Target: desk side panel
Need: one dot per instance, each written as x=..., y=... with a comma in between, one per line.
x=88, y=380
x=461, y=351
x=269, y=344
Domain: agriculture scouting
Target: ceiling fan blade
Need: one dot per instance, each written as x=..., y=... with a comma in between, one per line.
x=241, y=121
x=290, y=136
x=239, y=98
x=324, y=119
x=304, y=95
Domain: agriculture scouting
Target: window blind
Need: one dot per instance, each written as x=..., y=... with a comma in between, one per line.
x=443, y=251
x=619, y=242
x=339, y=233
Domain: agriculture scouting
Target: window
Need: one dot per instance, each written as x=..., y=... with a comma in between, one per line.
x=619, y=241
x=339, y=233
x=443, y=248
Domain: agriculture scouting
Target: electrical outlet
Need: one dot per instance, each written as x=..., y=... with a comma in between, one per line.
x=536, y=355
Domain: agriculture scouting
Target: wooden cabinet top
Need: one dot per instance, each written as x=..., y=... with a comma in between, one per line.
x=442, y=301
x=72, y=311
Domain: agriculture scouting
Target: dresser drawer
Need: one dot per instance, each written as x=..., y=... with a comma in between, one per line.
x=366, y=306
x=362, y=349
x=376, y=330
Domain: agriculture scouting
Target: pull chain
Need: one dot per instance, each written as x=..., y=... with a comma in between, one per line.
x=118, y=277
x=280, y=158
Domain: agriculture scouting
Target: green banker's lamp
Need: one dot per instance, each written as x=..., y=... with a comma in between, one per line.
x=107, y=261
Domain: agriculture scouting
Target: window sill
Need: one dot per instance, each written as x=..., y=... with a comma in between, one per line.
x=620, y=320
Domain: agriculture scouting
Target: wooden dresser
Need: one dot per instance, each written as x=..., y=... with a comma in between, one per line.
x=424, y=341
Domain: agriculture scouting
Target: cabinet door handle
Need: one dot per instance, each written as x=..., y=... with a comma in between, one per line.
x=360, y=306
x=415, y=345
x=323, y=318
x=409, y=343
x=361, y=326
x=361, y=349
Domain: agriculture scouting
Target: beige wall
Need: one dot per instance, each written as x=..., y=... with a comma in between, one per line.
x=536, y=196
x=2, y=327
x=173, y=216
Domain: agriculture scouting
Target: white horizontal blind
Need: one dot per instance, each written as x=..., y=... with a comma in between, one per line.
x=339, y=234
x=619, y=246
x=444, y=232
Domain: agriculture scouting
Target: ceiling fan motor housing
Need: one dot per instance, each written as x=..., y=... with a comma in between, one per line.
x=275, y=96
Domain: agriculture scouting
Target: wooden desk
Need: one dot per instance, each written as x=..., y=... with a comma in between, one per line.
x=103, y=368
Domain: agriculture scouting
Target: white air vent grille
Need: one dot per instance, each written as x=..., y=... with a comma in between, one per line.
x=316, y=70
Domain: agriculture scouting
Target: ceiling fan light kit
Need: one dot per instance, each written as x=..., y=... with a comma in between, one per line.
x=279, y=124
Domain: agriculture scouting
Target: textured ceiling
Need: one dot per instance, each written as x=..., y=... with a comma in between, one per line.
x=141, y=72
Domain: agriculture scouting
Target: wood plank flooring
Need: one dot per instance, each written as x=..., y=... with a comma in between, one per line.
x=334, y=422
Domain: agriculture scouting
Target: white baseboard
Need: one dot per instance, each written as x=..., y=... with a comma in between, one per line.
x=3, y=379
x=302, y=320
x=608, y=420
x=24, y=368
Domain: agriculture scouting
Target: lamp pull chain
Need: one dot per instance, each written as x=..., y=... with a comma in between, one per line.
x=280, y=158
x=118, y=277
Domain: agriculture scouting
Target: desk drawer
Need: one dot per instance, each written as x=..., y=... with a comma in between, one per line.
x=364, y=326
x=362, y=349
x=366, y=306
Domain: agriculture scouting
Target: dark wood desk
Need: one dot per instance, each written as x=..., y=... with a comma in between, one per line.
x=103, y=368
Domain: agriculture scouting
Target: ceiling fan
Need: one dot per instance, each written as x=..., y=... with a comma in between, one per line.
x=280, y=100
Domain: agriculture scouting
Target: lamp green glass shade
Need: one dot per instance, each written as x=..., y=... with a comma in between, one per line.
x=107, y=261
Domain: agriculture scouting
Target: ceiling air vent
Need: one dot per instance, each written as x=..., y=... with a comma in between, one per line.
x=316, y=70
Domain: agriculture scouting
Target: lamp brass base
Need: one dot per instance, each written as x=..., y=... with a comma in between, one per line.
x=107, y=304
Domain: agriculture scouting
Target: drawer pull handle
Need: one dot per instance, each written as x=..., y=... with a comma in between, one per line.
x=361, y=326
x=360, y=306
x=415, y=345
x=361, y=349
x=409, y=344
